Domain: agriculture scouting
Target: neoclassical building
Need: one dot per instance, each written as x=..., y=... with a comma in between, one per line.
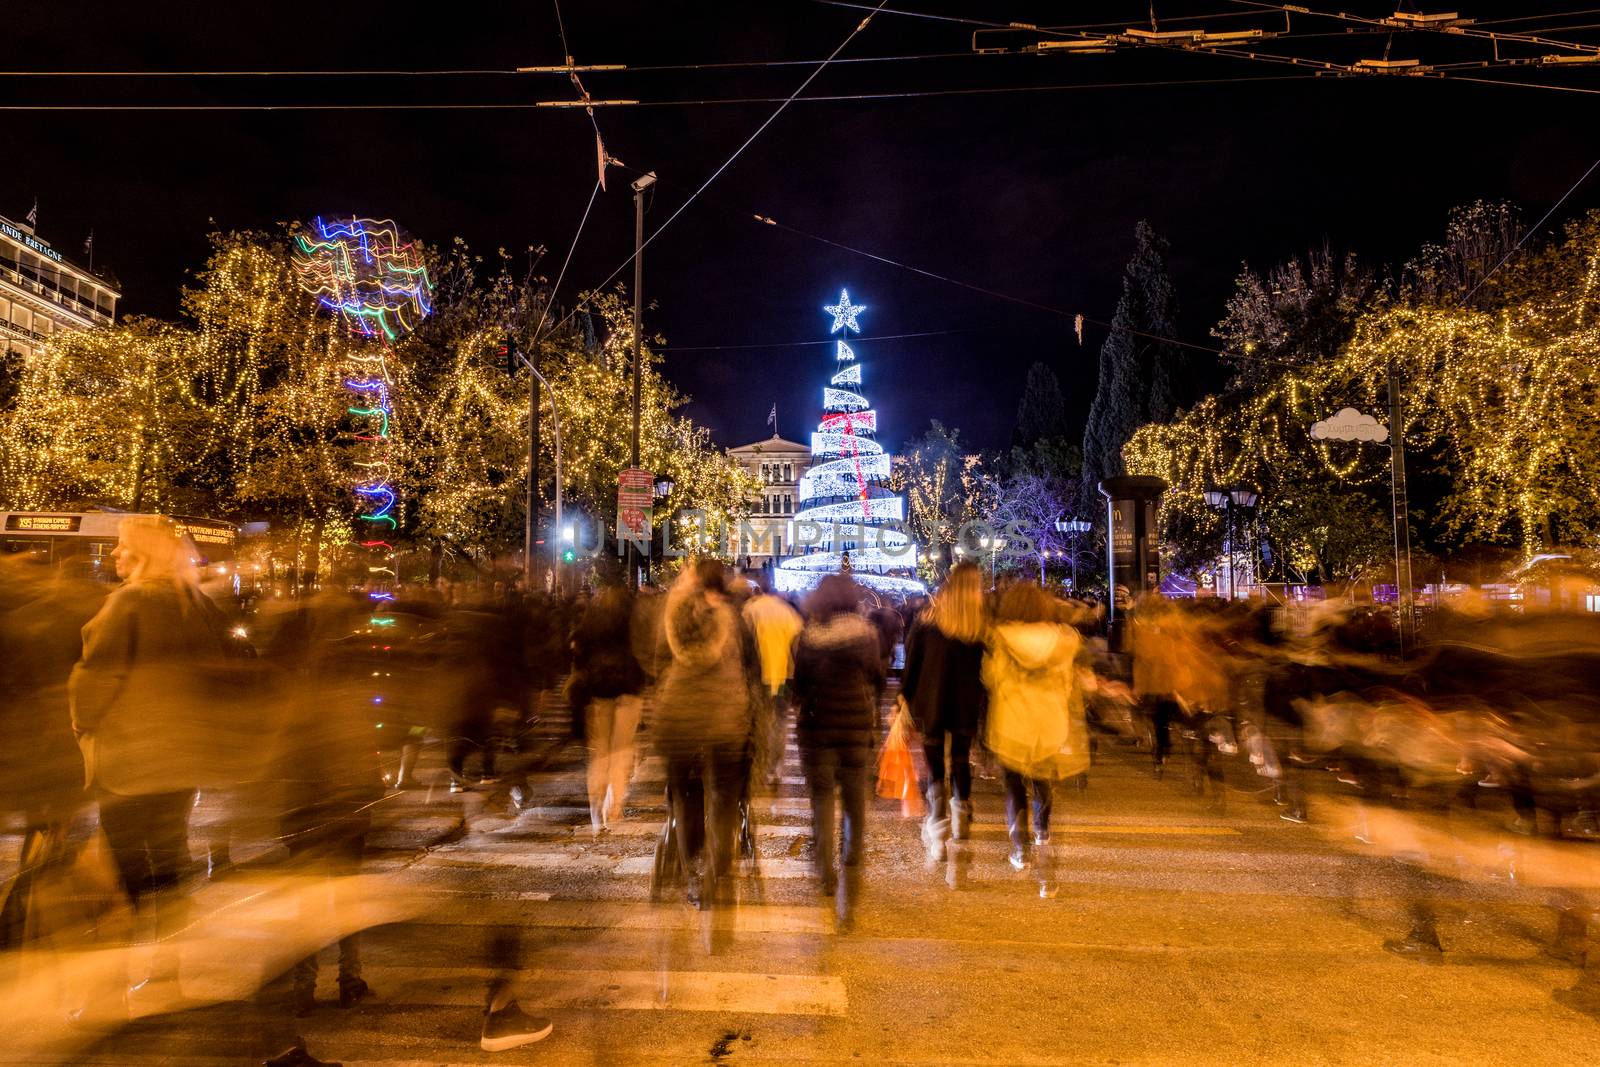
x=778, y=465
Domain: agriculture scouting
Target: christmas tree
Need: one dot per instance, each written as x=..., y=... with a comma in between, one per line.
x=848, y=518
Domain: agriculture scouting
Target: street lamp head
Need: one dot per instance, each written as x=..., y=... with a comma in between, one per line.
x=1244, y=496
x=644, y=182
x=664, y=486
x=1217, y=498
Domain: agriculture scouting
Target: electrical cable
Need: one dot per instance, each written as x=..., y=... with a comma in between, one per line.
x=799, y=344
x=1532, y=230
x=544, y=312
x=997, y=294
x=862, y=25
x=549, y=105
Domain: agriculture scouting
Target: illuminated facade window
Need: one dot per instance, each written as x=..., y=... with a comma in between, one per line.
x=778, y=463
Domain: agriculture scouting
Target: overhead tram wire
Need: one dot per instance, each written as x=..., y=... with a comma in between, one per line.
x=767, y=220
x=545, y=105
x=862, y=25
x=1535, y=228
x=800, y=344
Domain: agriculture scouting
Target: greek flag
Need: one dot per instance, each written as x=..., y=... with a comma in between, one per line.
x=33, y=213
x=772, y=419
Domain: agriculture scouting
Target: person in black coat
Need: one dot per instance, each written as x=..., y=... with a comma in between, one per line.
x=838, y=680
x=606, y=687
x=943, y=686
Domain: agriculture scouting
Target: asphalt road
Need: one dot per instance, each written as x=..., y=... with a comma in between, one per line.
x=1180, y=934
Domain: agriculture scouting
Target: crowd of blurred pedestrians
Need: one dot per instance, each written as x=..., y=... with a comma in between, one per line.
x=120, y=705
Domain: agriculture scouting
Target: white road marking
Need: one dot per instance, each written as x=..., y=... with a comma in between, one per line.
x=556, y=990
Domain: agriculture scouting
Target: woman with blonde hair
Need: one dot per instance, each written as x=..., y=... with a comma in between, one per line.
x=943, y=686
x=139, y=708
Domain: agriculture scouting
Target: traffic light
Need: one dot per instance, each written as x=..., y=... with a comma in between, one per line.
x=568, y=556
x=506, y=351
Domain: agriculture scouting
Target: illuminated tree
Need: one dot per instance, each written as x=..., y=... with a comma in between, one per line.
x=239, y=410
x=1502, y=397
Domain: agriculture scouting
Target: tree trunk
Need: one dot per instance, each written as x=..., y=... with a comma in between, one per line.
x=314, y=555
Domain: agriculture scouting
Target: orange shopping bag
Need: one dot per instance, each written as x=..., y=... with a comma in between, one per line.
x=897, y=772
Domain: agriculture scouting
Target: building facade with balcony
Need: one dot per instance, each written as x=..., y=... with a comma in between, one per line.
x=778, y=465
x=42, y=293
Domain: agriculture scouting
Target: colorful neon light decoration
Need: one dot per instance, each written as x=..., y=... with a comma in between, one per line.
x=850, y=512
x=375, y=280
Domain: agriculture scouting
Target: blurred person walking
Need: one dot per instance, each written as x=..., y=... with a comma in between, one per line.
x=775, y=625
x=943, y=686
x=605, y=691
x=703, y=723
x=143, y=718
x=1036, y=728
x=42, y=615
x=838, y=681
x=328, y=768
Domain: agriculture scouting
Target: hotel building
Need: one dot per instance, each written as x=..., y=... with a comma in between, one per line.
x=41, y=293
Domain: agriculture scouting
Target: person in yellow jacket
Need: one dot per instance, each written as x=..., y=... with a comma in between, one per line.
x=1036, y=729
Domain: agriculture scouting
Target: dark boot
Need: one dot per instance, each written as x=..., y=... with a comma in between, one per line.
x=1571, y=943
x=297, y=1056
x=352, y=991
x=1420, y=944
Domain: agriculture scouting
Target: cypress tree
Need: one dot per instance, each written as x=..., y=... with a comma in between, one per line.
x=1136, y=370
x=1042, y=411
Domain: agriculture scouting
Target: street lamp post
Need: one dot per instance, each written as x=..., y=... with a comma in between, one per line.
x=1228, y=500
x=992, y=545
x=1074, y=529
x=644, y=182
x=663, y=490
x=535, y=380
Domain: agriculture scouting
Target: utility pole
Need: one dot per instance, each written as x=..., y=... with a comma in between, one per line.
x=1402, y=524
x=530, y=566
x=639, y=187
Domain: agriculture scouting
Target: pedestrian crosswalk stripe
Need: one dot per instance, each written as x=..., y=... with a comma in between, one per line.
x=780, y=867
x=638, y=916
x=994, y=830
x=544, y=991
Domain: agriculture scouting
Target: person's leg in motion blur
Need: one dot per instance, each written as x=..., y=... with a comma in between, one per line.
x=619, y=771
x=726, y=771
x=960, y=786
x=936, y=824
x=599, y=718
x=149, y=841
x=821, y=764
x=686, y=791
x=853, y=784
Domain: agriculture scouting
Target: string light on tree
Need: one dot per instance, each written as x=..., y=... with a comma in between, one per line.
x=377, y=282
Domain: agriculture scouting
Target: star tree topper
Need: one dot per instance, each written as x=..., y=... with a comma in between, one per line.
x=844, y=313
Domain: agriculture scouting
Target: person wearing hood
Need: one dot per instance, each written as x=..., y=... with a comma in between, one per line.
x=1036, y=729
x=704, y=720
x=943, y=688
x=838, y=680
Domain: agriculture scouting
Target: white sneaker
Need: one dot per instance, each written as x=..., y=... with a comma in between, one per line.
x=511, y=1027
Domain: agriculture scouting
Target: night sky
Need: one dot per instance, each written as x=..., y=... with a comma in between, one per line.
x=1030, y=194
